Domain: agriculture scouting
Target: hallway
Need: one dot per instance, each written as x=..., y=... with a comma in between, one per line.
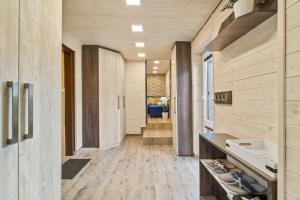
x=134, y=172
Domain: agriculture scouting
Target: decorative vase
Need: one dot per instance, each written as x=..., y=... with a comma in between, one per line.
x=243, y=7
x=165, y=115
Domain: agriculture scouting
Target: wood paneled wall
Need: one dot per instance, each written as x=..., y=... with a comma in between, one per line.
x=90, y=96
x=292, y=99
x=249, y=68
x=135, y=97
x=184, y=98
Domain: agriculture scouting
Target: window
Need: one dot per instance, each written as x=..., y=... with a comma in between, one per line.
x=208, y=92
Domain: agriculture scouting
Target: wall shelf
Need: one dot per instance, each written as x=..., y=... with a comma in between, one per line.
x=234, y=28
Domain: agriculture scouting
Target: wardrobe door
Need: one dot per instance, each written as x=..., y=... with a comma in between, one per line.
x=9, y=16
x=123, y=117
x=40, y=113
x=109, y=98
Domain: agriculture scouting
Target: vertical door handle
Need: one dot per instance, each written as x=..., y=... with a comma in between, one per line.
x=175, y=105
x=118, y=102
x=13, y=112
x=28, y=130
x=124, y=102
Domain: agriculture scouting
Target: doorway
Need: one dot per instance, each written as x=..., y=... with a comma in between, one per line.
x=68, y=101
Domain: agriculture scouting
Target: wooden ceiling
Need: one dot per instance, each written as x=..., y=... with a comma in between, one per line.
x=108, y=23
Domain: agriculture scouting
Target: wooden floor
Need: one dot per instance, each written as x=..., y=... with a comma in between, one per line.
x=158, y=120
x=135, y=172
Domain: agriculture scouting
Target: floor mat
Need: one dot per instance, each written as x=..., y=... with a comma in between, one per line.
x=72, y=167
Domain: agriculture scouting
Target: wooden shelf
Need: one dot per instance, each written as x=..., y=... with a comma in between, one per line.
x=234, y=28
x=213, y=146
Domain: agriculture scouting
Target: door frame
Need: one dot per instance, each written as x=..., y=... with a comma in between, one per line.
x=69, y=79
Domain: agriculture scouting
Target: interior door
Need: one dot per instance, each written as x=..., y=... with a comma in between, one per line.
x=40, y=100
x=9, y=16
x=109, y=98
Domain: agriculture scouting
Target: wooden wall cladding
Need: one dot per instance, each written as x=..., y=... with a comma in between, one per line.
x=184, y=98
x=223, y=97
x=90, y=96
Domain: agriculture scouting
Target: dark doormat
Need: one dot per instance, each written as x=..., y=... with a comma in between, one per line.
x=72, y=167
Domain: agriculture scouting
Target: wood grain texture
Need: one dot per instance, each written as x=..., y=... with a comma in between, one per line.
x=90, y=96
x=213, y=146
x=292, y=99
x=73, y=43
x=40, y=45
x=184, y=98
x=9, y=23
x=134, y=171
x=135, y=97
x=69, y=100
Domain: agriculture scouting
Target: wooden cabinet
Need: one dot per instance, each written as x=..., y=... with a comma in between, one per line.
x=30, y=39
x=108, y=107
x=181, y=92
x=8, y=72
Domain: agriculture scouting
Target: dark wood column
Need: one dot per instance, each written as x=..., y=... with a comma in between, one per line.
x=184, y=98
x=90, y=96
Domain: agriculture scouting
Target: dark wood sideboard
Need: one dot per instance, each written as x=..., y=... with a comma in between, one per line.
x=213, y=146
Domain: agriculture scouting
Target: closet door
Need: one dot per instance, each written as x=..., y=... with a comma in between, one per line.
x=40, y=83
x=109, y=98
x=174, y=98
x=9, y=16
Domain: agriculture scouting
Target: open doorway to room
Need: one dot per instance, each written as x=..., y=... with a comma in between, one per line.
x=158, y=101
x=68, y=102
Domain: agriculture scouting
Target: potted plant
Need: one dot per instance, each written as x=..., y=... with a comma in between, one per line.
x=242, y=7
x=165, y=108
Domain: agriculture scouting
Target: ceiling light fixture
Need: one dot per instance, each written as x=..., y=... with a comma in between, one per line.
x=155, y=67
x=133, y=2
x=156, y=62
x=140, y=44
x=137, y=28
x=141, y=55
x=154, y=72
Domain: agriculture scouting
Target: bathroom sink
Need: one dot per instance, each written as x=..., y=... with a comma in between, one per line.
x=260, y=153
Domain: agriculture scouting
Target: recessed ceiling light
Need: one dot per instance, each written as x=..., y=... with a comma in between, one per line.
x=154, y=72
x=155, y=67
x=136, y=28
x=140, y=44
x=156, y=62
x=133, y=2
x=142, y=55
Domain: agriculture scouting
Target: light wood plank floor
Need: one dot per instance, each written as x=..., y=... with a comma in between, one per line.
x=134, y=172
x=158, y=120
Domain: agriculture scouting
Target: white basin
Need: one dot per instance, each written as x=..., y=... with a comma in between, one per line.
x=260, y=153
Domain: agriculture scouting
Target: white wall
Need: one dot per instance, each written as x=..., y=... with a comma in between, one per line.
x=135, y=97
x=71, y=42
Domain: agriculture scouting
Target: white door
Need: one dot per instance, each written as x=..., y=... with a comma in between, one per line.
x=40, y=114
x=208, y=93
x=9, y=99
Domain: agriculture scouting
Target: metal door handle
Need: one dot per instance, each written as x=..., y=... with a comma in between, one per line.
x=28, y=132
x=13, y=112
x=124, y=102
x=118, y=102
